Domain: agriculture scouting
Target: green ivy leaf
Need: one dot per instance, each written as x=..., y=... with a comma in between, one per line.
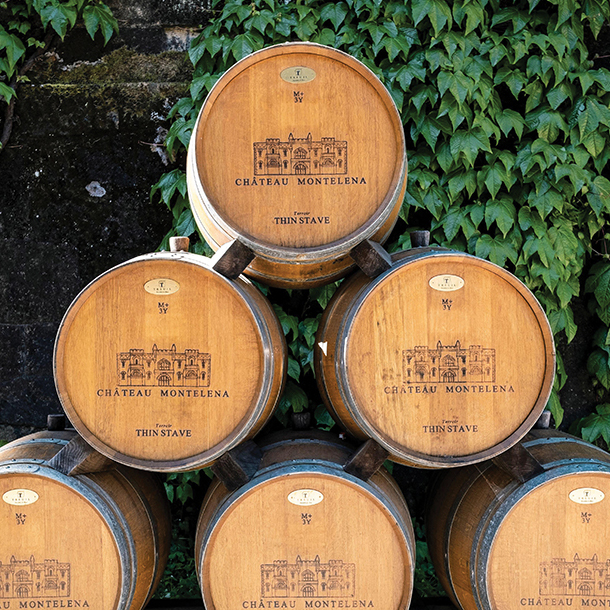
x=262, y=20
x=588, y=119
x=548, y=123
x=306, y=27
x=496, y=250
x=511, y=120
x=494, y=176
x=563, y=320
x=597, y=425
x=99, y=17
x=451, y=222
x=529, y=218
x=335, y=13
x=554, y=406
x=186, y=223
x=288, y=322
x=599, y=195
x=559, y=94
x=602, y=286
x=168, y=184
x=325, y=37
x=578, y=176
x=468, y=144
x=323, y=418
x=594, y=143
x=437, y=12
x=564, y=242
x=323, y=294
x=515, y=80
x=13, y=48
x=501, y=211
x=293, y=397
x=294, y=369
x=7, y=92
x=243, y=45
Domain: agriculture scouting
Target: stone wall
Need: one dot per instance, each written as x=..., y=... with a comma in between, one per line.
x=75, y=182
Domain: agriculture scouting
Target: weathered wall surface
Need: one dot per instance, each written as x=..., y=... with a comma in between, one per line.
x=75, y=182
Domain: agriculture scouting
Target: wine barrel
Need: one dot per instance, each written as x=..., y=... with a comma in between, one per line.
x=163, y=364
x=508, y=540
x=305, y=534
x=445, y=359
x=90, y=541
x=299, y=152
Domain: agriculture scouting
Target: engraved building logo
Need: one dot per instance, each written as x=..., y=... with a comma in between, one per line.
x=449, y=364
x=27, y=579
x=308, y=578
x=300, y=157
x=164, y=367
x=584, y=577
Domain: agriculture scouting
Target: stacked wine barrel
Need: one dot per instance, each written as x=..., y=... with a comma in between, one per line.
x=97, y=540
x=429, y=357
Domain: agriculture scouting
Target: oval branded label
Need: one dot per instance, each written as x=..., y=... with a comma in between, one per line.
x=587, y=495
x=305, y=497
x=446, y=283
x=298, y=74
x=20, y=497
x=161, y=285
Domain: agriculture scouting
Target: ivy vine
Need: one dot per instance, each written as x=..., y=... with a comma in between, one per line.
x=507, y=122
x=30, y=28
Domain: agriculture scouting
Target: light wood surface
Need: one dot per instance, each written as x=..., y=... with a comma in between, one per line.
x=163, y=364
x=438, y=377
x=302, y=170
x=353, y=546
x=100, y=540
x=500, y=544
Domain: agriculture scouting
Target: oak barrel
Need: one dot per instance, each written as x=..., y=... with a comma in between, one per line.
x=305, y=534
x=502, y=540
x=163, y=364
x=90, y=541
x=444, y=359
x=299, y=152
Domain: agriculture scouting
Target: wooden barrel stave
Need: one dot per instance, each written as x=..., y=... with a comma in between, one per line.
x=304, y=463
x=121, y=515
x=372, y=326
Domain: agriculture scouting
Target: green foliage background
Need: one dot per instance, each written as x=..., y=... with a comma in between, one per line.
x=507, y=122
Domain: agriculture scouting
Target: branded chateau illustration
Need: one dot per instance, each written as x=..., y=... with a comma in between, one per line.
x=26, y=578
x=164, y=367
x=300, y=157
x=449, y=364
x=308, y=578
x=586, y=577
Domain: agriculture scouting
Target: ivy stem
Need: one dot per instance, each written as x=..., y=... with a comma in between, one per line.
x=9, y=114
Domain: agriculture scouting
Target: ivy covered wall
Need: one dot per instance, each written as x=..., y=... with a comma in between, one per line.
x=506, y=108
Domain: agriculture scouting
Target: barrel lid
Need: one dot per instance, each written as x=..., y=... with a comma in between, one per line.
x=445, y=359
x=298, y=148
x=57, y=546
x=163, y=364
x=549, y=545
x=303, y=537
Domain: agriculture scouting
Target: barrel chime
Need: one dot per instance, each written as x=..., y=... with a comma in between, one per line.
x=428, y=357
